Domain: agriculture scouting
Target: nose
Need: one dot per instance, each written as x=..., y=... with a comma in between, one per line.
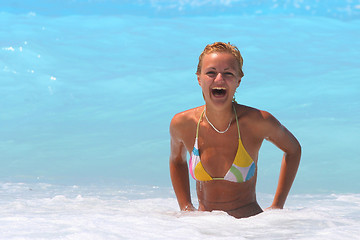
x=219, y=78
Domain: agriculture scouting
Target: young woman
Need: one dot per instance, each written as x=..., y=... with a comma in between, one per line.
x=223, y=139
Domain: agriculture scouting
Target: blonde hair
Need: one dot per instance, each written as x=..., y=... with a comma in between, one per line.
x=221, y=47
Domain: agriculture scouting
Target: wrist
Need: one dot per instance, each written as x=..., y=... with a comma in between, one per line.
x=188, y=207
x=276, y=206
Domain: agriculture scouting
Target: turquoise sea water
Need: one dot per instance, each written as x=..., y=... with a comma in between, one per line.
x=88, y=88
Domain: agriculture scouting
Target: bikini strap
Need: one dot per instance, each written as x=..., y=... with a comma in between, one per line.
x=237, y=122
x=198, y=124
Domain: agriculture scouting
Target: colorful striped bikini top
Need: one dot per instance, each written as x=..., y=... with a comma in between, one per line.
x=242, y=169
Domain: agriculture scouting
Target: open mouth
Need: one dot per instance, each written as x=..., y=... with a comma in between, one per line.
x=218, y=91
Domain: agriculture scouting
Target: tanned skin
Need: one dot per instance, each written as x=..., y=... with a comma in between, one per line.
x=220, y=71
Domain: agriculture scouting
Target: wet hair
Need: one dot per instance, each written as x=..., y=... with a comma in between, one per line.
x=221, y=47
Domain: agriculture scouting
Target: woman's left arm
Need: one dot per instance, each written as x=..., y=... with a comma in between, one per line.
x=285, y=140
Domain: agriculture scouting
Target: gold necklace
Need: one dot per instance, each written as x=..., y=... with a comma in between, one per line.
x=214, y=126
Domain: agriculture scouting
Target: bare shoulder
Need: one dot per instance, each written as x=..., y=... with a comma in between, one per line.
x=253, y=114
x=186, y=117
x=259, y=121
x=185, y=121
x=263, y=125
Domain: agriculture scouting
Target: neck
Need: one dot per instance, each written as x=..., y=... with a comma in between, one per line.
x=220, y=118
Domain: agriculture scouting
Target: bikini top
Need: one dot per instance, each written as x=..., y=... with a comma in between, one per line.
x=242, y=169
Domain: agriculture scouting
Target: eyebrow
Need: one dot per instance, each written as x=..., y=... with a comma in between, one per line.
x=229, y=68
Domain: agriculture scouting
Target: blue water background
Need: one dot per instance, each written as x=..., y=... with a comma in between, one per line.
x=88, y=88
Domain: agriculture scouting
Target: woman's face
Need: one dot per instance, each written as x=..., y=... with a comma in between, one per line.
x=219, y=78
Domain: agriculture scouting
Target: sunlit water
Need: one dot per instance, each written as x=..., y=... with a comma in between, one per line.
x=88, y=88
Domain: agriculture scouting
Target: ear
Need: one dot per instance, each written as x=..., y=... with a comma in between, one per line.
x=239, y=81
x=198, y=78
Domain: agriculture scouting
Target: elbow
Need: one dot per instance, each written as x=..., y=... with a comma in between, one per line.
x=176, y=163
x=295, y=150
x=298, y=149
x=293, y=156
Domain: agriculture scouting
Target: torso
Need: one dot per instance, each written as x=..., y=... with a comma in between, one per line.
x=217, y=155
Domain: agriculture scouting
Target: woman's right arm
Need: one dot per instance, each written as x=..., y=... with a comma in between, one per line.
x=178, y=166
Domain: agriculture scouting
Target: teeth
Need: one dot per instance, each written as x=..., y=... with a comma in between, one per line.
x=219, y=88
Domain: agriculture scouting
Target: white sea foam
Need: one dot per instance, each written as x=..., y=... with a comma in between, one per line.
x=44, y=211
x=8, y=49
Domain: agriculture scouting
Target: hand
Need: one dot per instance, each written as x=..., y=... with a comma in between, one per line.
x=273, y=207
x=189, y=208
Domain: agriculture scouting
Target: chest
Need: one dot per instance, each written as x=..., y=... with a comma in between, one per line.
x=217, y=151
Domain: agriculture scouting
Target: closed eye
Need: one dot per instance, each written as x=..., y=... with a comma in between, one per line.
x=211, y=73
x=229, y=74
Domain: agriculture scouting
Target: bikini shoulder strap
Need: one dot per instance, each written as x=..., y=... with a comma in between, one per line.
x=198, y=124
x=237, y=122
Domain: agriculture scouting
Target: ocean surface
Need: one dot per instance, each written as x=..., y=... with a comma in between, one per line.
x=88, y=89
